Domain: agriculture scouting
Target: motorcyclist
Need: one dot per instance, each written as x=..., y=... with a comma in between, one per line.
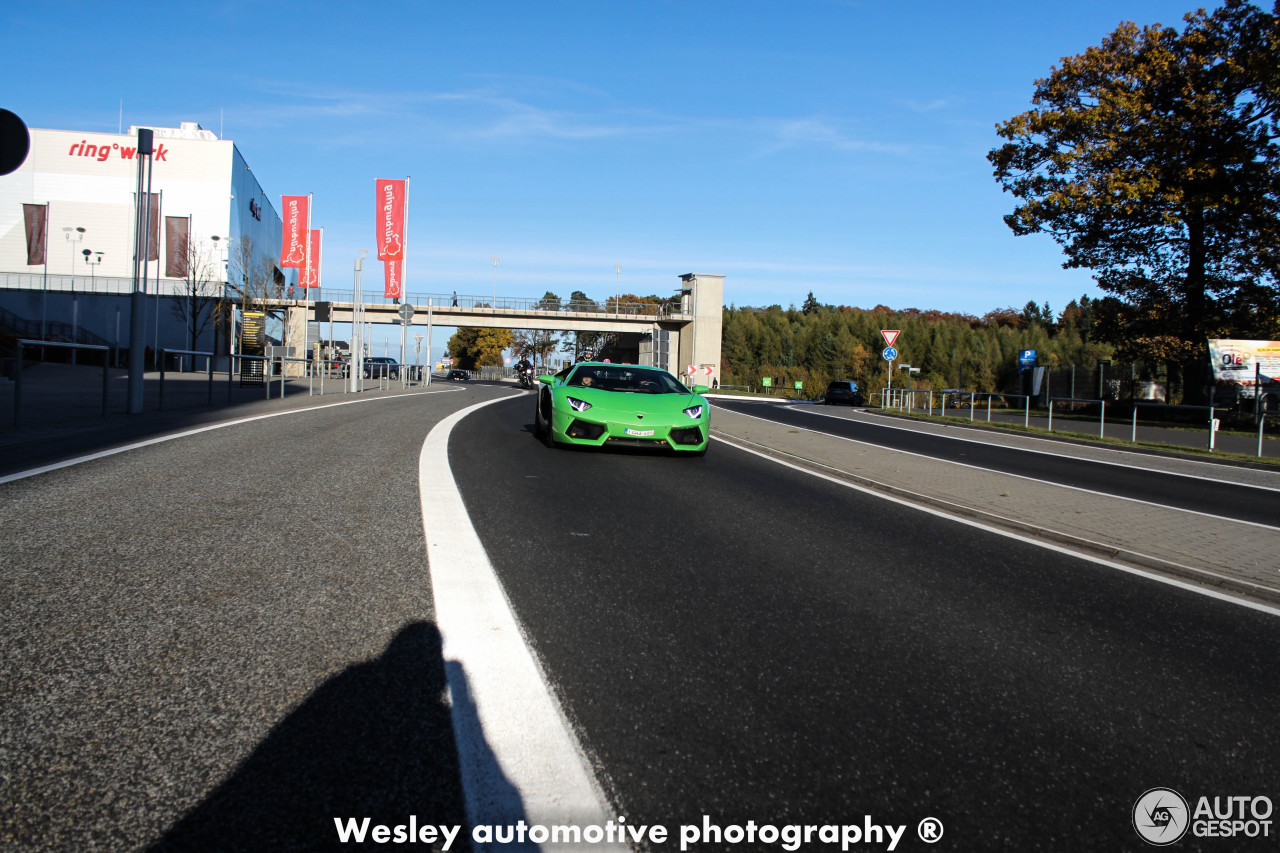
x=523, y=369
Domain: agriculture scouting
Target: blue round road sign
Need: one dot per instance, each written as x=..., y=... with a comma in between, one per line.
x=890, y=353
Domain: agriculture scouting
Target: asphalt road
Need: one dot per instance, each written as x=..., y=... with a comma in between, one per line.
x=1206, y=495
x=744, y=641
x=225, y=641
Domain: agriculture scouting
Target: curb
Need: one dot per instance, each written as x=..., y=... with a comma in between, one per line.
x=1134, y=559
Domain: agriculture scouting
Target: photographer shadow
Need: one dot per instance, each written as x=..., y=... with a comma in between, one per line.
x=375, y=741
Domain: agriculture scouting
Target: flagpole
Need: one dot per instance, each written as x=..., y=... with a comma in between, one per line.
x=155, y=350
x=306, y=285
x=319, y=265
x=44, y=287
x=191, y=288
x=404, y=273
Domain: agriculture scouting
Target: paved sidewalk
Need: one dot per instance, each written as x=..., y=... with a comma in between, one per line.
x=1234, y=557
x=61, y=412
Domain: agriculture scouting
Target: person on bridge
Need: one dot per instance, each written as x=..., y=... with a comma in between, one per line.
x=455, y=299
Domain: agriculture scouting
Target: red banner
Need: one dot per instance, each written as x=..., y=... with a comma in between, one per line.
x=153, y=244
x=311, y=276
x=391, y=210
x=176, y=231
x=393, y=287
x=36, y=217
x=293, y=246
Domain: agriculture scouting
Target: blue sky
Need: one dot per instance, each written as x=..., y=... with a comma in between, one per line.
x=809, y=145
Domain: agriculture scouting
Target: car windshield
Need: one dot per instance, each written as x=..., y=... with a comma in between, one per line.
x=628, y=380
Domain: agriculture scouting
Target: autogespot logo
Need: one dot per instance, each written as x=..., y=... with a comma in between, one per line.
x=1161, y=817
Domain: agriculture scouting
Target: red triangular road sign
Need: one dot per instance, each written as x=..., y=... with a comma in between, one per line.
x=889, y=335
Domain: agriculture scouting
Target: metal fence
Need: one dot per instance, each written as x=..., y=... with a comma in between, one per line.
x=1078, y=411
x=179, y=287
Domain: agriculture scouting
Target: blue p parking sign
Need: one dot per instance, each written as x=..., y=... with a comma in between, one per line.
x=1026, y=358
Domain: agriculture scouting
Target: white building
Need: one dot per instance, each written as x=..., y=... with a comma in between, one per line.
x=88, y=182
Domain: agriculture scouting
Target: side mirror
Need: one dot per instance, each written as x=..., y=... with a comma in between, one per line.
x=546, y=379
x=701, y=389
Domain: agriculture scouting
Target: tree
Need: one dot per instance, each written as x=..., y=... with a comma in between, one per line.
x=473, y=347
x=580, y=342
x=539, y=343
x=254, y=278
x=200, y=293
x=1153, y=161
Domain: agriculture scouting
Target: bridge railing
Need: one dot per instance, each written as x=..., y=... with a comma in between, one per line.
x=177, y=287
x=505, y=303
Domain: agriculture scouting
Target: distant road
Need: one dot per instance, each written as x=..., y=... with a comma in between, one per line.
x=1207, y=494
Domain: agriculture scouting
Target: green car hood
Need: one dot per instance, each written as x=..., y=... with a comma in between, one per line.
x=629, y=403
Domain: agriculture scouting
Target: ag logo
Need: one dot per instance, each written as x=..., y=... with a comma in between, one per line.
x=1161, y=816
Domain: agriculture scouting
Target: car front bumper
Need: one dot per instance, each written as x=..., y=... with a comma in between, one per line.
x=678, y=434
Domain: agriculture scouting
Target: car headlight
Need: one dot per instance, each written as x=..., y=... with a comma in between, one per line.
x=578, y=405
x=694, y=412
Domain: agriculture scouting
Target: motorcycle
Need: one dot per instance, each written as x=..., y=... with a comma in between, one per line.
x=526, y=378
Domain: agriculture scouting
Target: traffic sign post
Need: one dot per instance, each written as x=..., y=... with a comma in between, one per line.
x=889, y=353
x=406, y=317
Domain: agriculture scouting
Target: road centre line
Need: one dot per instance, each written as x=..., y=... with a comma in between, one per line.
x=66, y=463
x=518, y=755
x=1025, y=477
x=1102, y=561
x=1118, y=464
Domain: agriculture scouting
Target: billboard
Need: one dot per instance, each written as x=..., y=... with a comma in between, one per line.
x=1238, y=364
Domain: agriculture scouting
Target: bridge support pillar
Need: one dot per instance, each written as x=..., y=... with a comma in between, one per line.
x=702, y=295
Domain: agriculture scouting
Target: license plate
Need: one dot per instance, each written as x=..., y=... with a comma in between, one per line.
x=638, y=432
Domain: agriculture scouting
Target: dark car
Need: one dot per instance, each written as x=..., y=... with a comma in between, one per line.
x=376, y=367
x=842, y=391
x=458, y=376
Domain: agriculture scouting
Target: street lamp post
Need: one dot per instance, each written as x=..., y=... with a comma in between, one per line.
x=93, y=259
x=74, y=241
x=75, y=304
x=617, y=302
x=222, y=298
x=495, y=260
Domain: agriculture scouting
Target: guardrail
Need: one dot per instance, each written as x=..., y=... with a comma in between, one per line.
x=17, y=375
x=165, y=353
x=906, y=399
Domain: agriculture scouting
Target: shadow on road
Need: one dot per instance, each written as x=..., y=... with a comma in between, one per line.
x=375, y=741
x=61, y=411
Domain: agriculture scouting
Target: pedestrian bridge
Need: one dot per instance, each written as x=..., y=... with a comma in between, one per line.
x=503, y=312
x=692, y=316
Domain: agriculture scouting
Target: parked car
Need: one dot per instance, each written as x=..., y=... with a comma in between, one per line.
x=843, y=391
x=376, y=367
x=458, y=376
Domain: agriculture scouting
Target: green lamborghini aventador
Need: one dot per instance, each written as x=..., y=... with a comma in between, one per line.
x=598, y=403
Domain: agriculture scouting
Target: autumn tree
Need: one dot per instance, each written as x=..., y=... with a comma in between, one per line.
x=1152, y=160
x=473, y=347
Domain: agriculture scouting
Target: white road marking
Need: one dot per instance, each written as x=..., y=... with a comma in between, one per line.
x=1028, y=477
x=1264, y=608
x=518, y=754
